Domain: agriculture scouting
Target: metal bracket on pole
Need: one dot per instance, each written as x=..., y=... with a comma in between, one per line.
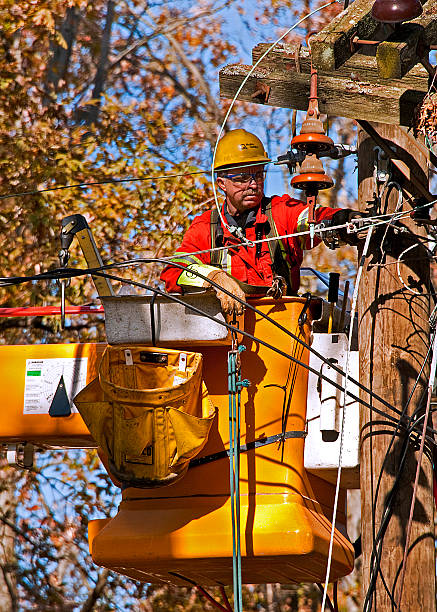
x=384, y=145
x=381, y=166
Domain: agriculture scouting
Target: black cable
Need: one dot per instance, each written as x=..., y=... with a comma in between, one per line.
x=377, y=548
x=255, y=339
x=375, y=567
x=59, y=273
x=232, y=328
x=328, y=601
x=95, y=183
x=387, y=512
x=386, y=516
x=113, y=181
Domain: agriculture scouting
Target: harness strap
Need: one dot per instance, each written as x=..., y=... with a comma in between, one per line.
x=280, y=266
x=216, y=238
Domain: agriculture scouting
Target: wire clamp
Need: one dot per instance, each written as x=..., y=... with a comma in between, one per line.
x=238, y=233
x=382, y=165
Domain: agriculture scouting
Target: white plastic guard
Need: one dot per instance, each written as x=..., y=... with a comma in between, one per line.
x=324, y=414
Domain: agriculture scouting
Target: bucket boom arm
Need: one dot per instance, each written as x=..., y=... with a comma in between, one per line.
x=77, y=225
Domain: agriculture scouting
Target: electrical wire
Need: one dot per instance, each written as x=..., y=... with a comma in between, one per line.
x=378, y=538
x=377, y=547
x=375, y=557
x=244, y=332
x=398, y=269
x=243, y=83
x=94, y=183
x=204, y=592
x=97, y=272
x=110, y=182
x=321, y=588
x=58, y=273
x=398, y=205
x=225, y=598
x=344, y=402
x=320, y=231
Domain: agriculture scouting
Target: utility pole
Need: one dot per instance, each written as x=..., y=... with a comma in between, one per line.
x=393, y=344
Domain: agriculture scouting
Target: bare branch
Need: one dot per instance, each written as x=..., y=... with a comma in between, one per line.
x=96, y=592
x=61, y=56
x=91, y=113
x=191, y=67
x=11, y=588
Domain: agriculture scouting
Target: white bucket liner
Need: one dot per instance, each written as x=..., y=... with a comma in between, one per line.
x=128, y=319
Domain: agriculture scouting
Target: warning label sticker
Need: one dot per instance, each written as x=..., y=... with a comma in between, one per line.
x=45, y=378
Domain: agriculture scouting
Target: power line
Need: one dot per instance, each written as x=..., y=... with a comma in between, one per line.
x=110, y=182
x=105, y=182
x=246, y=78
x=60, y=273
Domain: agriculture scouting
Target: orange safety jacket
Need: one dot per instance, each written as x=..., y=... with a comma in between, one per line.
x=253, y=265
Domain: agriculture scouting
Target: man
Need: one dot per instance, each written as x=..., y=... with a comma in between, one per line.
x=270, y=267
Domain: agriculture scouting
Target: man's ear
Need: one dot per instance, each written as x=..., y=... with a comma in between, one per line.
x=221, y=183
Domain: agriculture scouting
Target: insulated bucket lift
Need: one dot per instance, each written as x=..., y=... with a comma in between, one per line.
x=183, y=532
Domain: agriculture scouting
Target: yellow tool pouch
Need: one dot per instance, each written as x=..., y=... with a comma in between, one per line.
x=149, y=412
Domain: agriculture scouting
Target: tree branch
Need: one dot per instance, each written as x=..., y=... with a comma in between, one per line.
x=60, y=58
x=91, y=113
x=96, y=592
x=11, y=589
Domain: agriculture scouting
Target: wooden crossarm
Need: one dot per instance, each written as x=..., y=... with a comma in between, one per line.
x=332, y=46
x=359, y=67
x=337, y=96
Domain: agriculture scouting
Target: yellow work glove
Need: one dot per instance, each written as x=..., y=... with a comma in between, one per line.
x=228, y=304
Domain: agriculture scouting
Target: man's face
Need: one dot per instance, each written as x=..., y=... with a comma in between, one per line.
x=243, y=188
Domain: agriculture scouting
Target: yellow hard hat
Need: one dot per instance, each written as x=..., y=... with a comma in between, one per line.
x=239, y=147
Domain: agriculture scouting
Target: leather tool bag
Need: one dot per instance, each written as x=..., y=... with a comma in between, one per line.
x=149, y=412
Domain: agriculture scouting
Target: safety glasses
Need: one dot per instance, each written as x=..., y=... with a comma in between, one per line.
x=246, y=177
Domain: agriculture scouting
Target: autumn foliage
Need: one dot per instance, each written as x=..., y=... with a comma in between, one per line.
x=118, y=101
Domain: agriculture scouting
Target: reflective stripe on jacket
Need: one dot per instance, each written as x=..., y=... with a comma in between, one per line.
x=289, y=215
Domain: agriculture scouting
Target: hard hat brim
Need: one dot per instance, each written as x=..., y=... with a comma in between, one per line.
x=256, y=161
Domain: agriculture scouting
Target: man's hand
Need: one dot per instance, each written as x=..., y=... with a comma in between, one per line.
x=229, y=305
x=345, y=216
